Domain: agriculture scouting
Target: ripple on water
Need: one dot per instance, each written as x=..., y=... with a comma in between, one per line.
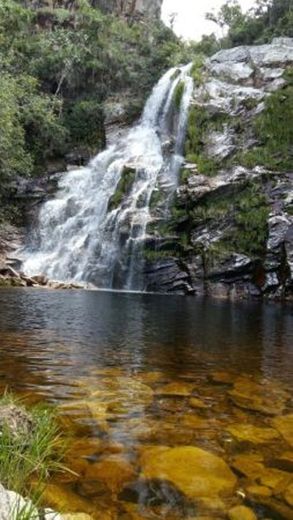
x=179, y=410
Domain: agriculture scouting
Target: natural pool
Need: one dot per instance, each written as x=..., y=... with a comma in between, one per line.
x=176, y=408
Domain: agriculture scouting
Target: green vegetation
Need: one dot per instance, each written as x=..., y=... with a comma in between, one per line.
x=123, y=187
x=154, y=255
x=247, y=210
x=30, y=449
x=274, y=132
x=58, y=66
x=157, y=197
x=197, y=70
x=178, y=94
x=200, y=124
x=251, y=230
x=267, y=19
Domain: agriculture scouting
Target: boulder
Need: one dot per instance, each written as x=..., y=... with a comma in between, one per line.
x=193, y=471
x=241, y=513
x=266, y=398
x=114, y=471
x=284, y=425
x=18, y=421
x=12, y=505
x=252, y=434
x=179, y=388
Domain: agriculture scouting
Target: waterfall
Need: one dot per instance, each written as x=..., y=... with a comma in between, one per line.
x=92, y=232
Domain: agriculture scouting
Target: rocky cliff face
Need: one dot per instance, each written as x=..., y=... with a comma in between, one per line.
x=128, y=8
x=230, y=229
x=149, y=8
x=230, y=232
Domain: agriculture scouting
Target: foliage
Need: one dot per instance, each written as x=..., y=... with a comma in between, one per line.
x=84, y=120
x=29, y=454
x=59, y=66
x=251, y=231
x=247, y=211
x=197, y=69
x=155, y=255
x=178, y=94
x=31, y=131
x=274, y=131
x=200, y=123
x=123, y=187
x=267, y=19
x=13, y=156
x=157, y=197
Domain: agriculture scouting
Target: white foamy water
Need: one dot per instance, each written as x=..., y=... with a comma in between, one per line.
x=79, y=238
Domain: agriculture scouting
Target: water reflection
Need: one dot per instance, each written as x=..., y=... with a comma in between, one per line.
x=129, y=372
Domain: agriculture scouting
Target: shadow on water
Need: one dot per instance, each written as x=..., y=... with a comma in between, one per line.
x=129, y=371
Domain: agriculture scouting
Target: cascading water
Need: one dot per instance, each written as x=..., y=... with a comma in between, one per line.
x=83, y=235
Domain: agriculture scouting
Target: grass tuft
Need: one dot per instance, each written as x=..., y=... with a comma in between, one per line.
x=31, y=449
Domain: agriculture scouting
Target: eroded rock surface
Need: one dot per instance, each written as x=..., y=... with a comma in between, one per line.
x=232, y=92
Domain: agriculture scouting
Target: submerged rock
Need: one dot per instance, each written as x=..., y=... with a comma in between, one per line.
x=62, y=499
x=266, y=398
x=288, y=494
x=252, y=434
x=241, y=513
x=195, y=402
x=114, y=471
x=249, y=464
x=275, y=479
x=284, y=425
x=178, y=388
x=193, y=471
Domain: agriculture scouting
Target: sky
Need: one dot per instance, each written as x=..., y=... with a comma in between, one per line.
x=190, y=20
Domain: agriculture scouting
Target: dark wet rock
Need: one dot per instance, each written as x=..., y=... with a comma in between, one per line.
x=284, y=461
x=155, y=492
x=276, y=508
x=233, y=275
x=40, y=279
x=166, y=276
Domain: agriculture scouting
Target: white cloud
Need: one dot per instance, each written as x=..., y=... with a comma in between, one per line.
x=190, y=21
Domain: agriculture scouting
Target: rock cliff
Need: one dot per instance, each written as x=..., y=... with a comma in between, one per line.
x=128, y=8
x=230, y=232
x=230, y=229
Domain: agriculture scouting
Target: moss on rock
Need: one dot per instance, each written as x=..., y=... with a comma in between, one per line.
x=123, y=187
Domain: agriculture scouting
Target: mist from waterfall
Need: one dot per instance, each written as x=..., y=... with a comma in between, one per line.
x=80, y=237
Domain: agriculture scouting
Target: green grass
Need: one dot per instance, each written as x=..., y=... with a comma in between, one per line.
x=29, y=454
x=274, y=131
x=178, y=94
x=152, y=255
x=197, y=70
x=200, y=124
x=247, y=212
